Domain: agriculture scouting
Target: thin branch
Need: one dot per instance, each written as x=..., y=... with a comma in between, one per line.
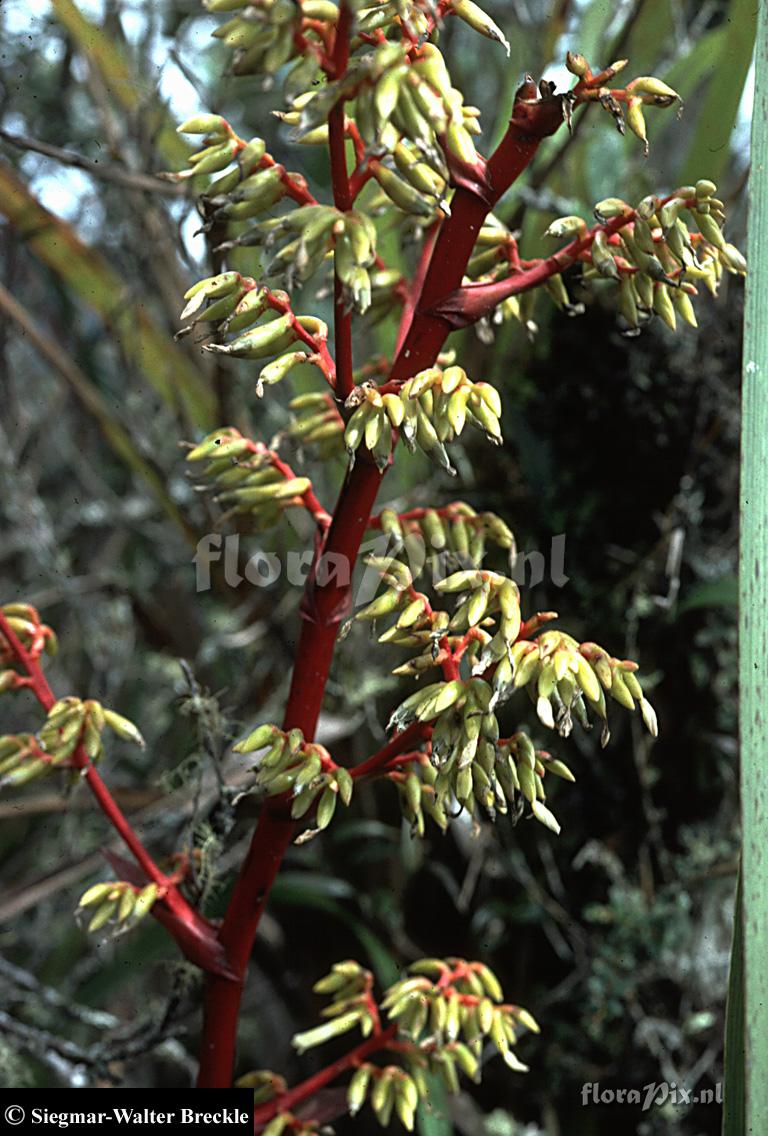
x=23, y=981
x=287, y=1101
x=194, y=934
x=417, y=284
x=107, y=172
x=400, y=744
x=469, y=303
x=93, y=401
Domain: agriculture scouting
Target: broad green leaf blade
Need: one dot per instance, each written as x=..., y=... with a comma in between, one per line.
x=434, y=1117
x=710, y=151
x=734, y=1063
x=753, y=596
x=308, y=889
x=687, y=74
x=88, y=277
x=723, y=592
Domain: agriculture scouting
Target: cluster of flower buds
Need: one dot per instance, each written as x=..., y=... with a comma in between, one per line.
x=416, y=16
x=237, y=303
x=119, y=904
x=564, y=678
x=430, y=409
x=462, y=749
x=408, y=96
x=415, y=783
x=413, y=185
x=445, y=1001
x=296, y=245
x=486, y=600
x=558, y=672
x=289, y=764
x=250, y=181
x=287, y=1124
x=454, y=536
x=219, y=148
x=354, y=255
x=521, y=769
x=21, y=760
x=486, y=654
x=353, y=1006
x=624, y=104
x=445, y=1011
x=652, y=255
x=388, y=1089
x=316, y=421
x=71, y=724
x=34, y=635
x=248, y=477
x=400, y=93
x=266, y=34
x=504, y=776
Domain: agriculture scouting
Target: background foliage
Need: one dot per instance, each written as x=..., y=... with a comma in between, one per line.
x=616, y=935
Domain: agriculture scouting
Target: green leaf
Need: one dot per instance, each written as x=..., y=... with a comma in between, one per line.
x=591, y=32
x=686, y=74
x=723, y=592
x=709, y=154
x=433, y=1118
x=90, y=279
x=307, y=889
x=753, y=606
x=734, y=1120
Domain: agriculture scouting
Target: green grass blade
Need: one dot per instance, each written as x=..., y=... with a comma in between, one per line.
x=753, y=596
x=710, y=151
x=434, y=1118
x=88, y=277
x=734, y=1066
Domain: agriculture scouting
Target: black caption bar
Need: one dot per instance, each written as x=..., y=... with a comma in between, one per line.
x=146, y=1112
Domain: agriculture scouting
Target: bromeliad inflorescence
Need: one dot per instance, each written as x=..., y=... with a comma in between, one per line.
x=71, y=735
x=445, y=1017
x=366, y=80
x=369, y=82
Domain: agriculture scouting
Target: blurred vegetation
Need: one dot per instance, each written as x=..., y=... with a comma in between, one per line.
x=617, y=934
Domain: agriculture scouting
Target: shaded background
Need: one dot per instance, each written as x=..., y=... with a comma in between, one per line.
x=617, y=934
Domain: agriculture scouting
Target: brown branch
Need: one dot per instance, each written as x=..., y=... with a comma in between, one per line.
x=93, y=401
x=108, y=172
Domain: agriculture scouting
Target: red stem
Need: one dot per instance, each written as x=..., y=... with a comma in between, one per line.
x=531, y=122
x=192, y=925
x=396, y=747
x=414, y=292
x=342, y=199
x=316, y=343
x=287, y=1101
x=471, y=302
